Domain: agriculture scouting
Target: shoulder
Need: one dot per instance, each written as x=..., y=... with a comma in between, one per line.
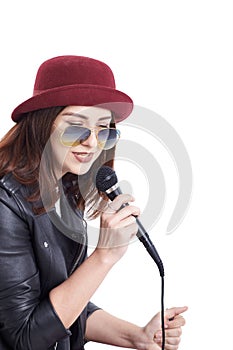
x=13, y=195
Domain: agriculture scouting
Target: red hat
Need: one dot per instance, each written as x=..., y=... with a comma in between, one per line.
x=75, y=80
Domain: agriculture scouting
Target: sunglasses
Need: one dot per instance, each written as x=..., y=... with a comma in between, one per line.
x=74, y=135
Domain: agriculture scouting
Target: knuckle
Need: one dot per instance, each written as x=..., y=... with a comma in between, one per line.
x=131, y=227
x=107, y=221
x=179, y=332
x=132, y=210
x=123, y=198
x=134, y=227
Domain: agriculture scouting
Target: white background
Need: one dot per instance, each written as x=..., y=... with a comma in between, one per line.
x=175, y=58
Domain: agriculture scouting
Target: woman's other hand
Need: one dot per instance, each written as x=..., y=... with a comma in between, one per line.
x=174, y=322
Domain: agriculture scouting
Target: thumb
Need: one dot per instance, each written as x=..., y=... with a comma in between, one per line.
x=153, y=325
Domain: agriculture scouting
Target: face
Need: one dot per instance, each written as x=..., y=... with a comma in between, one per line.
x=78, y=157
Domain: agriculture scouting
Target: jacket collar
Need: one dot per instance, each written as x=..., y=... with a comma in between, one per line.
x=9, y=183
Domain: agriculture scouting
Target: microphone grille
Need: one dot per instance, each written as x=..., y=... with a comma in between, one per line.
x=105, y=178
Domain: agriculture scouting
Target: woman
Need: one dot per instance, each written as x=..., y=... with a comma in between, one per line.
x=48, y=161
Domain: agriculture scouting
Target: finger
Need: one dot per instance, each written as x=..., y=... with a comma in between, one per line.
x=171, y=343
x=130, y=232
x=127, y=233
x=129, y=221
x=178, y=321
x=174, y=311
x=126, y=212
x=124, y=217
x=109, y=209
x=169, y=333
x=173, y=332
x=120, y=200
x=125, y=227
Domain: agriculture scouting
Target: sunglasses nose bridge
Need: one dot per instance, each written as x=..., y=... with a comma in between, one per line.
x=94, y=131
x=89, y=137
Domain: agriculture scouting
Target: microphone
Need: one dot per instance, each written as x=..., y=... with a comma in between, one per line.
x=106, y=181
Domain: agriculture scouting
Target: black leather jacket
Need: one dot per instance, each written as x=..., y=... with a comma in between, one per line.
x=35, y=256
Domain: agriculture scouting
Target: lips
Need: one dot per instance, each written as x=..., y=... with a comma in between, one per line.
x=83, y=157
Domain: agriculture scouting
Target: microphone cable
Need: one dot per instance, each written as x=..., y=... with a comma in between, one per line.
x=162, y=313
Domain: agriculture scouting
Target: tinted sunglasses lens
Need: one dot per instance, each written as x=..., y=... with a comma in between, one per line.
x=74, y=135
x=107, y=138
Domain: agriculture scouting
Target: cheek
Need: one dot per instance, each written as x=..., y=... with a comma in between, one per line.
x=60, y=156
x=59, y=152
x=97, y=154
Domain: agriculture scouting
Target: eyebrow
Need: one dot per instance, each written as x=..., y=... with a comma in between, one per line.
x=72, y=114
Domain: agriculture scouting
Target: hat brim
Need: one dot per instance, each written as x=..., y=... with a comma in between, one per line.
x=79, y=95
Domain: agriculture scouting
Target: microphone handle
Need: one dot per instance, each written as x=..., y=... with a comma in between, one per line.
x=146, y=241
x=142, y=235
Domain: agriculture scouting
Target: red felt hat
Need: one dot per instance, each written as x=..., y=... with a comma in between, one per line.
x=75, y=80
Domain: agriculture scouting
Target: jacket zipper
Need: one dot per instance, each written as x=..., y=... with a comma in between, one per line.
x=71, y=271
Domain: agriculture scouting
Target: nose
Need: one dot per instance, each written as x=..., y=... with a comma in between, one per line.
x=91, y=141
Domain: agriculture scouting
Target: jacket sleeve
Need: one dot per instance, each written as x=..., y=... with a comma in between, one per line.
x=91, y=308
x=26, y=322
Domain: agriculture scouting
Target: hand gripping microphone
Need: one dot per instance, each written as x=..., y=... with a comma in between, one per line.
x=106, y=181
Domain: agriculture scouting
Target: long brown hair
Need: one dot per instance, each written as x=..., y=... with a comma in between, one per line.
x=21, y=151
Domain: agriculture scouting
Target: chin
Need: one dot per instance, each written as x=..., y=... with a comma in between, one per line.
x=80, y=170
